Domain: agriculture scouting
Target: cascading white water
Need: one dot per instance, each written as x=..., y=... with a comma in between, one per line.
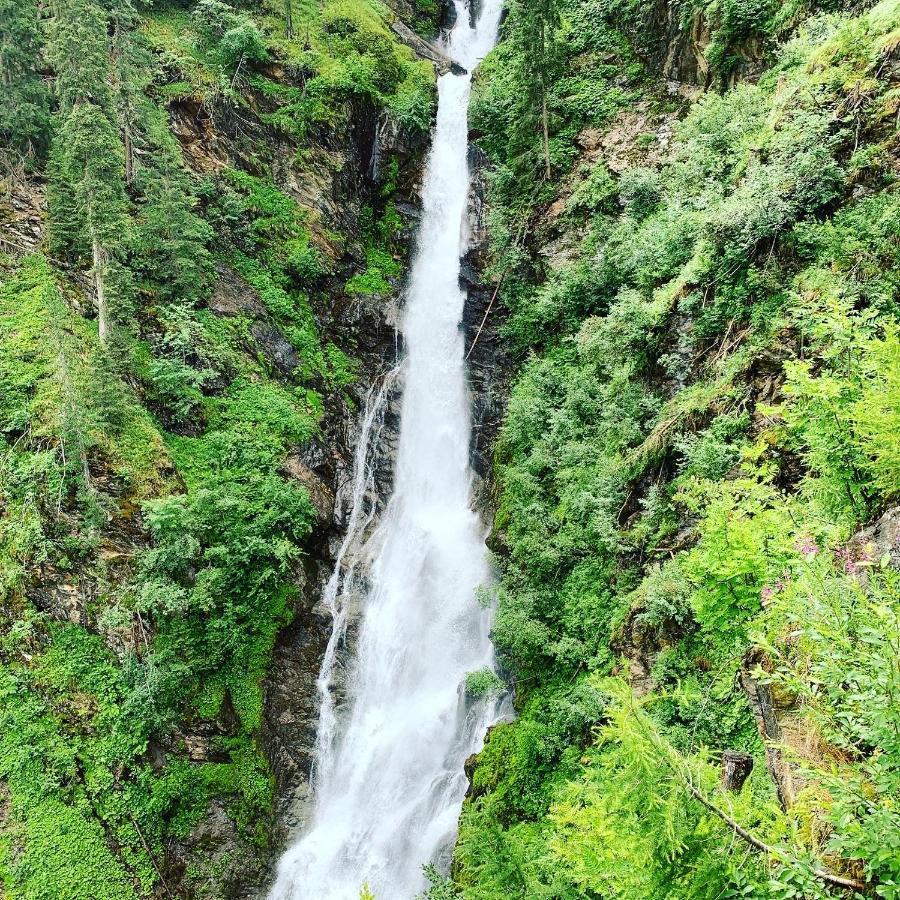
x=345, y=582
x=389, y=782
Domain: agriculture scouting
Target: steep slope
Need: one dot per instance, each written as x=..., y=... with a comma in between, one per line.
x=695, y=228
x=205, y=227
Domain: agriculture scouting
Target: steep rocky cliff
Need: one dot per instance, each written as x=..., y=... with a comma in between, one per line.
x=211, y=438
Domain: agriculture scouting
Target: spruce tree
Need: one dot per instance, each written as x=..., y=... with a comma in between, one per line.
x=170, y=240
x=91, y=166
x=24, y=100
x=130, y=70
x=539, y=57
x=87, y=193
x=168, y=246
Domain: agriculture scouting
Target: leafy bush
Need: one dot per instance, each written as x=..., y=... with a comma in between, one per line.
x=842, y=667
x=230, y=38
x=713, y=452
x=485, y=683
x=640, y=192
x=217, y=580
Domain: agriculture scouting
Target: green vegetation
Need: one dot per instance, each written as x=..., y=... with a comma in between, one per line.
x=705, y=413
x=24, y=104
x=193, y=617
x=338, y=53
x=160, y=357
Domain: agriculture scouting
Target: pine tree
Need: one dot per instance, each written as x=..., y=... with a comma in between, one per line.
x=170, y=240
x=24, y=101
x=539, y=57
x=130, y=68
x=92, y=167
x=79, y=52
x=168, y=245
x=87, y=193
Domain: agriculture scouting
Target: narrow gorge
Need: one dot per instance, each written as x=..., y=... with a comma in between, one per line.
x=449, y=450
x=389, y=779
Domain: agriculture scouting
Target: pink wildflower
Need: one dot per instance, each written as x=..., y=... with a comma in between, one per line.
x=844, y=557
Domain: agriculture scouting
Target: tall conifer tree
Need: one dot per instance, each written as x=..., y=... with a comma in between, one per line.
x=130, y=70
x=24, y=100
x=539, y=59
x=87, y=192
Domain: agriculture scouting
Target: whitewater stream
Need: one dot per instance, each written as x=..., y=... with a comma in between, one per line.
x=389, y=782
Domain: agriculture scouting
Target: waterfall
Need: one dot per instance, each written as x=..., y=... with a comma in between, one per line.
x=345, y=583
x=389, y=782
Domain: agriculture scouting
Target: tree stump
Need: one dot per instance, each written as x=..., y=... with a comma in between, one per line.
x=762, y=702
x=736, y=766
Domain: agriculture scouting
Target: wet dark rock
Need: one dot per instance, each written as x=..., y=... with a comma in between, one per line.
x=278, y=351
x=320, y=494
x=471, y=764
x=291, y=706
x=234, y=297
x=447, y=18
x=469, y=767
x=489, y=364
x=156, y=755
x=474, y=9
x=448, y=15
x=215, y=861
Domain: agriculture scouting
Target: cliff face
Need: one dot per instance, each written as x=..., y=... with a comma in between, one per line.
x=704, y=45
x=350, y=163
x=230, y=400
x=369, y=326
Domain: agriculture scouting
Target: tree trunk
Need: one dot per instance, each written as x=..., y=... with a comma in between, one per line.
x=129, y=155
x=762, y=704
x=736, y=766
x=71, y=422
x=544, y=122
x=546, y=133
x=288, y=19
x=99, y=273
x=125, y=106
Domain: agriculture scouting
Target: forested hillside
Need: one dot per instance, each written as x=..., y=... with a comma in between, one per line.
x=695, y=226
x=197, y=218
